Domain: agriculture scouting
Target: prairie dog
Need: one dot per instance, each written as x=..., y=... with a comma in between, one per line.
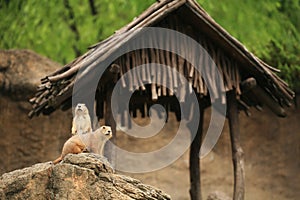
x=93, y=142
x=81, y=121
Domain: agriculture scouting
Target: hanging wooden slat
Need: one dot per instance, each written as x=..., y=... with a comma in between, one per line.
x=138, y=70
x=143, y=62
x=207, y=73
x=232, y=74
x=182, y=93
x=147, y=65
x=139, y=79
x=238, y=79
x=133, y=70
x=213, y=70
x=129, y=73
x=164, y=74
x=123, y=82
x=226, y=75
x=173, y=46
x=181, y=63
x=153, y=92
x=159, y=93
x=191, y=52
x=200, y=81
x=170, y=74
x=99, y=104
x=167, y=61
x=152, y=68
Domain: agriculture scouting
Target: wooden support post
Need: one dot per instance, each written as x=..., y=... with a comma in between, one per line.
x=195, y=187
x=109, y=121
x=237, y=151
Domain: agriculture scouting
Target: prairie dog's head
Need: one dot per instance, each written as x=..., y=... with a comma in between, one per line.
x=81, y=109
x=106, y=131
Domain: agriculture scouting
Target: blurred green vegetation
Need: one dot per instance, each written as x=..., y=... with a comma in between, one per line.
x=63, y=29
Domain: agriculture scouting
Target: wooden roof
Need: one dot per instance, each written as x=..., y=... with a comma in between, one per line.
x=237, y=64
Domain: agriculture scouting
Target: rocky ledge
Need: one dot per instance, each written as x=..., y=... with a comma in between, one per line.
x=81, y=176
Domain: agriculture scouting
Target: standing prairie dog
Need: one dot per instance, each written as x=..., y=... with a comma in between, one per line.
x=92, y=141
x=81, y=121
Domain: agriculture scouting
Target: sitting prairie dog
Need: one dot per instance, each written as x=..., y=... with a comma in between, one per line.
x=93, y=142
x=81, y=122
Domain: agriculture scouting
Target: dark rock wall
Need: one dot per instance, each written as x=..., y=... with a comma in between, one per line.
x=27, y=141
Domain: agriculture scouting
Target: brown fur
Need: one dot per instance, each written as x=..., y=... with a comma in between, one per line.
x=75, y=144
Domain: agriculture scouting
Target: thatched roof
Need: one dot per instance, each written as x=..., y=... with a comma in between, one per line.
x=239, y=67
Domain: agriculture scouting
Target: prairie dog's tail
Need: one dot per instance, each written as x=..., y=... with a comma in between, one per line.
x=57, y=160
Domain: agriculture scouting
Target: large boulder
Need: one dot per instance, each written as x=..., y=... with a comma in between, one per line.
x=21, y=71
x=27, y=141
x=78, y=176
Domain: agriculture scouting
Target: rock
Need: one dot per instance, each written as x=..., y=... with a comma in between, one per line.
x=91, y=161
x=21, y=71
x=81, y=176
x=25, y=141
x=217, y=195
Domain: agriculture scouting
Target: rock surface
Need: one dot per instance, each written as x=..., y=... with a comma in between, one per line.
x=81, y=176
x=27, y=141
x=21, y=71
